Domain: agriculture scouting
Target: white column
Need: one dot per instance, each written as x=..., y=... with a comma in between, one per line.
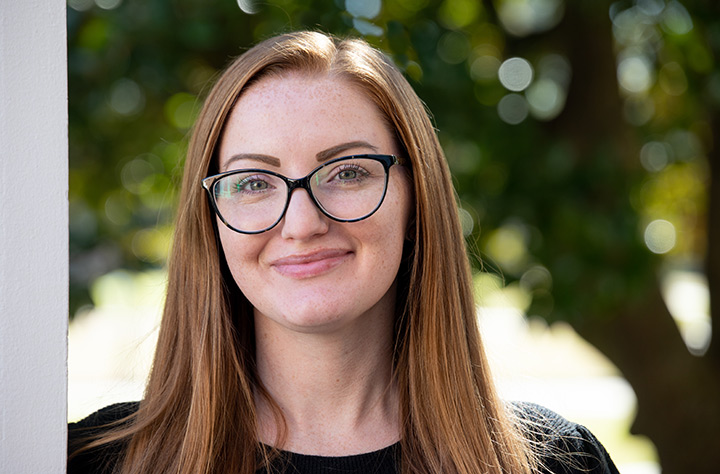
x=33, y=236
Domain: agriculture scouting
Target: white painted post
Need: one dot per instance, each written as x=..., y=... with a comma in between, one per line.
x=33, y=236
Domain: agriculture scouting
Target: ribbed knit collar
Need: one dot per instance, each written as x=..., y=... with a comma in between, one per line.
x=383, y=461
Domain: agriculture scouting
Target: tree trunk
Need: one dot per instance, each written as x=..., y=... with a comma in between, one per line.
x=712, y=264
x=710, y=10
x=678, y=394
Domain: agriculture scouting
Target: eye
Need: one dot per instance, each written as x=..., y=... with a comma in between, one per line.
x=349, y=172
x=255, y=185
x=250, y=184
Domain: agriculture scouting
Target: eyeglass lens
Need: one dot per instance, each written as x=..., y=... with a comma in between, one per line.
x=346, y=190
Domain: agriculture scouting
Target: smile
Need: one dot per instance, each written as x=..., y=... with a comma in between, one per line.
x=310, y=265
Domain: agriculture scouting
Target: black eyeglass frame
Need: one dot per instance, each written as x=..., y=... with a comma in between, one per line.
x=292, y=184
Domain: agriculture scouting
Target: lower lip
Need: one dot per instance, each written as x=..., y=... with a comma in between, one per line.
x=311, y=269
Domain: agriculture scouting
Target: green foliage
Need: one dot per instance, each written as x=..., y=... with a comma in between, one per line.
x=550, y=176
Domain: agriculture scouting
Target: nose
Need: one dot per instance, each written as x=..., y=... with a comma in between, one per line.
x=303, y=220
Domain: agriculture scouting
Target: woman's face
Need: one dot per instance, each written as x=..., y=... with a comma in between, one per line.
x=310, y=273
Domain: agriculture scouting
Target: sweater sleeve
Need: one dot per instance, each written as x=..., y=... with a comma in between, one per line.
x=102, y=459
x=563, y=447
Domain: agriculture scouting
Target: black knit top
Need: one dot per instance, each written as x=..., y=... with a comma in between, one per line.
x=564, y=448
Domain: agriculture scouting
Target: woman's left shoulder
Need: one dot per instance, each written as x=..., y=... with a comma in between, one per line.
x=563, y=447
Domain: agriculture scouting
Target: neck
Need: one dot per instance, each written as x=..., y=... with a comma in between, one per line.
x=335, y=389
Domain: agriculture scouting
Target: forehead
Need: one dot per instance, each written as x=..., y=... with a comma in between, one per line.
x=313, y=97
x=294, y=86
x=299, y=110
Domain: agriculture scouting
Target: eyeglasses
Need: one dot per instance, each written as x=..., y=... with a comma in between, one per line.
x=346, y=189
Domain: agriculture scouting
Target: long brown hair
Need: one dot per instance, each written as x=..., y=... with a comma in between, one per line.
x=198, y=414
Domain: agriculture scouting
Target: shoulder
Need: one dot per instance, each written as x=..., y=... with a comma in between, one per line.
x=563, y=447
x=108, y=415
x=99, y=459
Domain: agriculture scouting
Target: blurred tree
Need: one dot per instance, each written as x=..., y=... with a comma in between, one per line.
x=581, y=137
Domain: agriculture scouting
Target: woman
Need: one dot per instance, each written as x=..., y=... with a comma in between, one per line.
x=330, y=327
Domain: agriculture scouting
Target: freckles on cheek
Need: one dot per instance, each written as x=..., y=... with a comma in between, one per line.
x=239, y=249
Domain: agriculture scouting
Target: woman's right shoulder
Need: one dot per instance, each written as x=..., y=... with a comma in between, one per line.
x=100, y=459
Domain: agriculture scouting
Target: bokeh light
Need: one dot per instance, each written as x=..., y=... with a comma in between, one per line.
x=362, y=11
x=126, y=97
x=650, y=7
x=508, y=246
x=676, y=18
x=138, y=175
x=655, y=156
x=546, y=99
x=524, y=17
x=466, y=221
x=660, y=236
x=513, y=109
x=180, y=110
x=557, y=68
x=515, y=74
x=366, y=28
x=151, y=245
x=547, y=94
x=248, y=6
x=81, y=5
x=453, y=47
x=117, y=208
x=536, y=278
x=484, y=68
x=633, y=27
x=688, y=299
x=108, y=4
x=457, y=14
x=638, y=110
x=363, y=8
x=635, y=74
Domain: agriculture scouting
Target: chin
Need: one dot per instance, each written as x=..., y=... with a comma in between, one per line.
x=304, y=318
x=312, y=323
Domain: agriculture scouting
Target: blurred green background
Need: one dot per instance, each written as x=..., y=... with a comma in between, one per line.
x=581, y=136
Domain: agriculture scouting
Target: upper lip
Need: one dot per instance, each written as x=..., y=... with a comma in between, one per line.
x=309, y=257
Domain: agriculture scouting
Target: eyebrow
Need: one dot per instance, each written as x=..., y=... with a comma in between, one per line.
x=321, y=156
x=336, y=150
x=267, y=159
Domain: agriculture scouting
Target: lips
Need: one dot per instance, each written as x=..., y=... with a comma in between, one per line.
x=310, y=264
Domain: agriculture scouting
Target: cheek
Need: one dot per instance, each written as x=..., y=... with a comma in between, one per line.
x=240, y=251
x=391, y=229
x=405, y=201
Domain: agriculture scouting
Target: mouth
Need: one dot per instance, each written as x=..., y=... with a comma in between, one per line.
x=311, y=264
